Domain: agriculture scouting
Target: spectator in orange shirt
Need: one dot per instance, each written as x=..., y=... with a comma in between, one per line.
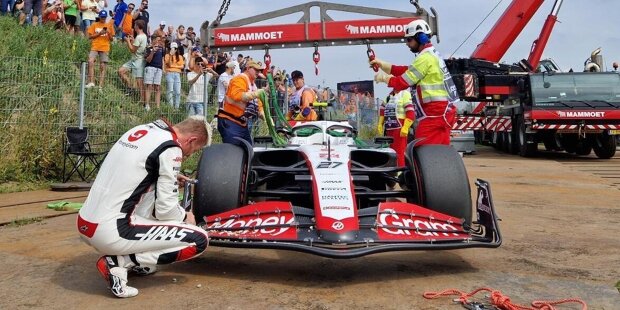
x=100, y=33
x=127, y=23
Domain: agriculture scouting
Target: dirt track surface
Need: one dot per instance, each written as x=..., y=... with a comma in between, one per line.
x=560, y=220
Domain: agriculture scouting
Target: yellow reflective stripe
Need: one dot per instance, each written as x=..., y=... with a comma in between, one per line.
x=434, y=99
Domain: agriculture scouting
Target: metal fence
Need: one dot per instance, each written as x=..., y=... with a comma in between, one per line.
x=39, y=98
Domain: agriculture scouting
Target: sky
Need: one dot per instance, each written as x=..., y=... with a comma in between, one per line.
x=583, y=25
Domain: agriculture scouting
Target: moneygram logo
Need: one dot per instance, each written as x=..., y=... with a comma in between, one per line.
x=414, y=226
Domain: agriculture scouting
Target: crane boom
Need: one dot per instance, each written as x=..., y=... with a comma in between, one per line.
x=539, y=45
x=506, y=30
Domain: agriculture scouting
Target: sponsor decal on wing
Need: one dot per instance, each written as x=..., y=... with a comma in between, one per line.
x=409, y=222
x=272, y=220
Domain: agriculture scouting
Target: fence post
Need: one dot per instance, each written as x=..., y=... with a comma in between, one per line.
x=82, y=94
x=205, y=97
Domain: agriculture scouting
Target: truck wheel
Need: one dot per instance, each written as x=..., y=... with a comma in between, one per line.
x=551, y=142
x=584, y=147
x=569, y=142
x=222, y=180
x=604, y=145
x=441, y=180
x=526, y=149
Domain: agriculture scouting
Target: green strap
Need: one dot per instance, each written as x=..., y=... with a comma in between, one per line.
x=277, y=139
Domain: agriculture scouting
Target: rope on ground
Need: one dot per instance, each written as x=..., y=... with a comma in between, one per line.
x=501, y=301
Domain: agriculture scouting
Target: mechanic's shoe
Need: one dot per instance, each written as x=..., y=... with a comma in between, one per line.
x=116, y=277
x=144, y=270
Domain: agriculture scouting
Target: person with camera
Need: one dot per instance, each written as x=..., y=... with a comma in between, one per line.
x=197, y=77
x=53, y=14
x=154, y=70
x=90, y=11
x=137, y=47
x=142, y=14
x=173, y=66
x=100, y=34
x=300, y=102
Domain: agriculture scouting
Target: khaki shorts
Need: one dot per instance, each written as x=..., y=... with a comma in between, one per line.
x=136, y=66
x=103, y=56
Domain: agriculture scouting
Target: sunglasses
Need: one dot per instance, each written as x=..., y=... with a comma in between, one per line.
x=409, y=39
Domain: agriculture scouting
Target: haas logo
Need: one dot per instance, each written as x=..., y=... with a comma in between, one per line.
x=224, y=37
x=352, y=29
x=137, y=135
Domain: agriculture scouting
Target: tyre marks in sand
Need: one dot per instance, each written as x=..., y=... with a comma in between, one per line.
x=606, y=169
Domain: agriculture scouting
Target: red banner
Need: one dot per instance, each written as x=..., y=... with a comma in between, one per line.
x=576, y=114
x=291, y=33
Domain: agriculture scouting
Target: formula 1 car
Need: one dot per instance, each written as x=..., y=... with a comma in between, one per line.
x=324, y=193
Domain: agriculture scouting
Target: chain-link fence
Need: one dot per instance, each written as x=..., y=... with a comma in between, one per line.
x=39, y=98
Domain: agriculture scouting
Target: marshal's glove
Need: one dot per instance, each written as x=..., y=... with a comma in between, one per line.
x=380, y=125
x=404, y=131
x=251, y=95
x=382, y=77
x=384, y=65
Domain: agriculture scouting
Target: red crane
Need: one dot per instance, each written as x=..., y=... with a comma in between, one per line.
x=509, y=26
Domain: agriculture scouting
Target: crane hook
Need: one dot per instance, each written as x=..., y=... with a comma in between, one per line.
x=316, y=57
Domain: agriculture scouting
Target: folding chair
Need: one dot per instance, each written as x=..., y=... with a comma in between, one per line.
x=78, y=154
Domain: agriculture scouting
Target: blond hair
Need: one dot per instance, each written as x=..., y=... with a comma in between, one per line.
x=197, y=125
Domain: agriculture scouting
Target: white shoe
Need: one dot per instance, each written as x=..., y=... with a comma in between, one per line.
x=89, y=85
x=147, y=107
x=116, y=278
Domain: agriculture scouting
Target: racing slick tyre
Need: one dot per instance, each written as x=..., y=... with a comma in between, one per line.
x=604, y=145
x=441, y=180
x=222, y=180
x=527, y=143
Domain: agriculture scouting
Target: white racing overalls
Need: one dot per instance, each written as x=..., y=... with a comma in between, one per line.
x=132, y=208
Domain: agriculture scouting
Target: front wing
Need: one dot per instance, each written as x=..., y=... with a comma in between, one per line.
x=391, y=226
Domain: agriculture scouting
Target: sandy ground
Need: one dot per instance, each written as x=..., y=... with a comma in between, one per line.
x=560, y=220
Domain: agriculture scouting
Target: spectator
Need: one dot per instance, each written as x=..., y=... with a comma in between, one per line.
x=53, y=14
x=180, y=35
x=191, y=36
x=137, y=47
x=71, y=14
x=119, y=13
x=196, y=79
x=173, y=64
x=160, y=32
x=169, y=35
x=127, y=22
x=142, y=14
x=102, y=5
x=89, y=13
x=300, y=102
x=220, y=63
x=153, y=70
x=6, y=6
x=222, y=83
x=36, y=6
x=100, y=33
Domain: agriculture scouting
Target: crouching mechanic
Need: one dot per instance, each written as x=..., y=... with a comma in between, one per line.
x=300, y=102
x=132, y=214
x=240, y=105
x=396, y=117
x=432, y=87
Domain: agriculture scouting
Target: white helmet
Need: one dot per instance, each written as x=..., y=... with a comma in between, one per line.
x=417, y=26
